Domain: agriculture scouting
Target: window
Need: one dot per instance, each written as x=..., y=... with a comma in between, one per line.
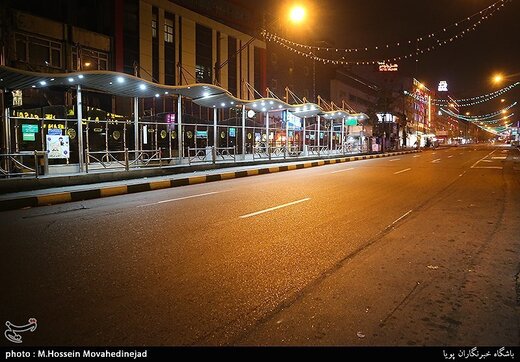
x=168, y=30
x=232, y=65
x=203, y=54
x=169, y=49
x=90, y=59
x=38, y=51
x=155, y=45
x=131, y=35
x=154, y=25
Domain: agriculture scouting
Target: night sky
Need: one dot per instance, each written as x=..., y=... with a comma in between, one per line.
x=467, y=64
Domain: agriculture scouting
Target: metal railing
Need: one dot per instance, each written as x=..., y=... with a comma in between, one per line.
x=146, y=158
x=261, y=151
x=13, y=164
x=294, y=151
x=318, y=150
x=226, y=153
x=121, y=159
x=196, y=154
x=106, y=159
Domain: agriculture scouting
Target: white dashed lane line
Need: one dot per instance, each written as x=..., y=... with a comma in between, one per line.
x=405, y=170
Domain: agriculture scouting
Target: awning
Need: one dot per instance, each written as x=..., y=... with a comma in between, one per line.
x=122, y=84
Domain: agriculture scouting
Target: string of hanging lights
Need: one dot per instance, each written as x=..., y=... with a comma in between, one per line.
x=311, y=51
x=483, y=120
x=478, y=99
x=486, y=116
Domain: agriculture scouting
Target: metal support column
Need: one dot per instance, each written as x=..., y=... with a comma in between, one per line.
x=7, y=133
x=304, y=145
x=79, y=114
x=319, y=133
x=342, y=135
x=179, y=131
x=215, y=130
x=136, y=128
x=287, y=132
x=244, y=131
x=331, y=134
x=268, y=141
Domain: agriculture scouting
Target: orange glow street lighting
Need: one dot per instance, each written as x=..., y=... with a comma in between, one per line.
x=498, y=78
x=297, y=14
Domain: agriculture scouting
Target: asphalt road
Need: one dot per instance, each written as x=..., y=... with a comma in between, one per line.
x=417, y=249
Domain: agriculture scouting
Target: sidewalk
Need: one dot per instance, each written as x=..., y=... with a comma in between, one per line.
x=96, y=185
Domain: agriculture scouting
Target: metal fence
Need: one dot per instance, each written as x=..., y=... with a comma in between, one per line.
x=29, y=163
x=104, y=160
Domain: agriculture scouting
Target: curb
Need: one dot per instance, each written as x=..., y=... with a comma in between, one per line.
x=64, y=197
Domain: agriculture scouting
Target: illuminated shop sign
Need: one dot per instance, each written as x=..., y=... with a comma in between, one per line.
x=383, y=67
x=443, y=86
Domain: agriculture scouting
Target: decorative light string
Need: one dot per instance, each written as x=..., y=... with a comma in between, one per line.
x=310, y=51
x=458, y=116
x=466, y=102
x=486, y=116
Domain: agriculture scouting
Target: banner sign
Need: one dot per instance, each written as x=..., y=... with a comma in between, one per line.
x=58, y=146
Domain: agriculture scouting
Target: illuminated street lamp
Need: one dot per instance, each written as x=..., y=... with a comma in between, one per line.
x=297, y=14
x=498, y=78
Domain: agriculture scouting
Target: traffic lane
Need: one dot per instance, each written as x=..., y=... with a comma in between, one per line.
x=123, y=202
x=201, y=267
x=440, y=278
x=183, y=201
x=454, y=157
x=112, y=202
x=106, y=271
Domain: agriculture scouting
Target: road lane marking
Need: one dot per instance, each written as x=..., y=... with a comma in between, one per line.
x=395, y=159
x=486, y=161
x=274, y=208
x=416, y=156
x=499, y=158
x=450, y=156
x=399, y=219
x=436, y=161
x=405, y=170
x=483, y=158
x=461, y=153
x=347, y=169
x=489, y=167
x=183, y=198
